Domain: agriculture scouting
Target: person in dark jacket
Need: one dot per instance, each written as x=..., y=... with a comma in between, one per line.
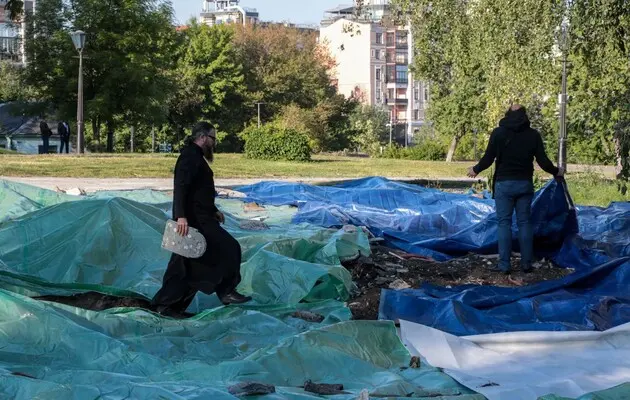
x=63, y=129
x=218, y=270
x=514, y=145
x=46, y=133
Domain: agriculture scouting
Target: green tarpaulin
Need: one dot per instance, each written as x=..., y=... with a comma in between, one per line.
x=110, y=242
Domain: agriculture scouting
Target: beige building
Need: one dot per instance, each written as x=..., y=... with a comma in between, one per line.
x=217, y=12
x=373, y=59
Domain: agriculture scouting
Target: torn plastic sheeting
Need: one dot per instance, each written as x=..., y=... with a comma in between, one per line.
x=74, y=353
x=526, y=365
x=114, y=245
x=416, y=219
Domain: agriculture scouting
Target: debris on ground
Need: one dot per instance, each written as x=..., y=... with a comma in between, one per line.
x=252, y=207
x=97, y=301
x=393, y=269
x=323, y=389
x=72, y=191
x=251, y=389
x=308, y=316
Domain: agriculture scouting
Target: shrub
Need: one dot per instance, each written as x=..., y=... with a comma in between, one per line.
x=426, y=151
x=272, y=142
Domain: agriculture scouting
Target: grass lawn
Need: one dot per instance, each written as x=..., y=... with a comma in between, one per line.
x=225, y=166
x=589, y=188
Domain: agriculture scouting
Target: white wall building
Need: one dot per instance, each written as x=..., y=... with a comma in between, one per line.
x=373, y=58
x=12, y=34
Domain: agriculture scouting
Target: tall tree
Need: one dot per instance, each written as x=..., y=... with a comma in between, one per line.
x=481, y=55
x=127, y=59
x=282, y=66
x=210, y=79
x=599, y=82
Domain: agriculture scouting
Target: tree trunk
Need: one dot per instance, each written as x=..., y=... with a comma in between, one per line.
x=110, y=136
x=452, y=148
x=96, y=129
x=132, y=131
x=622, y=155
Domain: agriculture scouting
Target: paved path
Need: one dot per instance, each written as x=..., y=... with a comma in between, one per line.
x=97, y=184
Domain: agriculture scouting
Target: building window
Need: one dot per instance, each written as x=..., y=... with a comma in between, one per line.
x=379, y=93
x=401, y=58
x=373, y=53
x=426, y=95
x=377, y=54
x=416, y=94
x=402, y=74
x=379, y=38
x=391, y=39
x=390, y=93
x=378, y=75
x=416, y=115
x=391, y=73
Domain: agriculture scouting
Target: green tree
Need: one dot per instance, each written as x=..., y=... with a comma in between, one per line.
x=12, y=86
x=369, y=124
x=599, y=80
x=210, y=80
x=125, y=72
x=282, y=66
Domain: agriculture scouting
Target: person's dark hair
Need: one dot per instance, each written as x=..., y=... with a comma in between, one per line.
x=200, y=130
x=516, y=108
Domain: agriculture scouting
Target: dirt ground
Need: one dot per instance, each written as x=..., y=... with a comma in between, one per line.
x=385, y=269
x=391, y=269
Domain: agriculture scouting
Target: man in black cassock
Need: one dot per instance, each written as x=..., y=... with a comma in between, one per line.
x=218, y=270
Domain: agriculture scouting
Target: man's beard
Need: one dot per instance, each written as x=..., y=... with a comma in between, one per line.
x=208, y=153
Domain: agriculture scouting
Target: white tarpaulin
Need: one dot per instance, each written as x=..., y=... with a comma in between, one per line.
x=526, y=365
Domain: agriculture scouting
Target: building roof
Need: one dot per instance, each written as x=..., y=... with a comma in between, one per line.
x=342, y=9
x=9, y=122
x=14, y=122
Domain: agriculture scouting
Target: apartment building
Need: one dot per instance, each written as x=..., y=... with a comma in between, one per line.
x=373, y=58
x=216, y=12
x=12, y=34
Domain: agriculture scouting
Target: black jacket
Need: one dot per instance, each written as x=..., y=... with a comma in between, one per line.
x=194, y=190
x=44, y=129
x=62, y=131
x=514, y=145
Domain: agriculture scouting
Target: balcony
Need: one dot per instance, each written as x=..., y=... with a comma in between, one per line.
x=402, y=44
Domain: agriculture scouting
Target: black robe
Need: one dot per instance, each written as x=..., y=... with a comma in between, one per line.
x=218, y=270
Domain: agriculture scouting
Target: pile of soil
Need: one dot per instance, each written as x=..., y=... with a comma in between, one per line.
x=390, y=269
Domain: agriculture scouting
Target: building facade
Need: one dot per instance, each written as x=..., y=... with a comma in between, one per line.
x=217, y=12
x=373, y=58
x=12, y=34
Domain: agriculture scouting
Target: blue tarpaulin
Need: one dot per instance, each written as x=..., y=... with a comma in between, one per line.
x=442, y=225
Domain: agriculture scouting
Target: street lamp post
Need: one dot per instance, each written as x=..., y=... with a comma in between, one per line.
x=562, y=139
x=78, y=38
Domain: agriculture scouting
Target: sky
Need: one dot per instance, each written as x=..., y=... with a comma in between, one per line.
x=295, y=11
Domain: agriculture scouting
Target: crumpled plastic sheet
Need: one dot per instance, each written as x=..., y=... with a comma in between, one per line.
x=60, y=352
x=54, y=244
x=418, y=220
x=431, y=223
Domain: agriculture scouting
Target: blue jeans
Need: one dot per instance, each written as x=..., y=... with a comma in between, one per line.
x=513, y=196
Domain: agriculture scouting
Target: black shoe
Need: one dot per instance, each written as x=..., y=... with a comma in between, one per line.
x=234, y=298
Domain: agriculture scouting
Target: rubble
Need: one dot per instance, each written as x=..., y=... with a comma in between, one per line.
x=391, y=269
